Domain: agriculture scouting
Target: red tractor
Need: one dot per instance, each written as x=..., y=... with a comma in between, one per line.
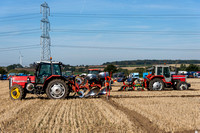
x=161, y=78
x=48, y=80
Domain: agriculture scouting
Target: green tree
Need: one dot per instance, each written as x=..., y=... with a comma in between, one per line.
x=110, y=68
x=12, y=71
x=10, y=67
x=182, y=67
x=2, y=71
x=192, y=67
x=33, y=65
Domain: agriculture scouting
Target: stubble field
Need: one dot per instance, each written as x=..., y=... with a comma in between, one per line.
x=135, y=111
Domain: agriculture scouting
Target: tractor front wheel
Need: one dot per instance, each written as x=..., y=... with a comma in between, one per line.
x=57, y=89
x=17, y=92
x=182, y=86
x=156, y=85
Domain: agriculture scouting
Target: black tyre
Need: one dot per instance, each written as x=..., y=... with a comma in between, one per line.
x=182, y=86
x=156, y=85
x=175, y=84
x=17, y=92
x=57, y=89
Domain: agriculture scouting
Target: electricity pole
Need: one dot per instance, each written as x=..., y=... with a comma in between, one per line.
x=45, y=38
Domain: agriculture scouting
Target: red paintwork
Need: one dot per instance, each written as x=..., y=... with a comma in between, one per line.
x=22, y=80
x=179, y=77
x=50, y=78
x=93, y=69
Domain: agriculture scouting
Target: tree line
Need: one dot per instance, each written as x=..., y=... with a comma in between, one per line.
x=151, y=62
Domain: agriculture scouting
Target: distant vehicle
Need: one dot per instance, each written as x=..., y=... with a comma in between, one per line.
x=145, y=74
x=161, y=78
x=182, y=72
x=21, y=74
x=191, y=74
x=120, y=77
x=4, y=77
x=172, y=73
x=134, y=75
x=198, y=74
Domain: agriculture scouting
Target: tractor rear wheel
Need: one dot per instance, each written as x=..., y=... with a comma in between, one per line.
x=57, y=89
x=17, y=92
x=182, y=86
x=156, y=85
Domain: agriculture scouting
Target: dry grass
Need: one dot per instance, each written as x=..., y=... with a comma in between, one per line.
x=170, y=114
x=36, y=114
x=71, y=115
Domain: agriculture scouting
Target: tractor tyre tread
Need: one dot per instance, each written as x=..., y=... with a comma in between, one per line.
x=22, y=92
x=154, y=80
x=56, y=81
x=179, y=85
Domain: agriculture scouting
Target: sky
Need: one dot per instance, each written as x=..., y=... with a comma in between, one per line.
x=92, y=32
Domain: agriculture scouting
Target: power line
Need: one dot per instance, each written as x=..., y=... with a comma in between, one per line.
x=18, y=31
x=22, y=46
x=85, y=31
x=26, y=33
x=19, y=17
x=101, y=47
x=129, y=48
x=128, y=32
x=36, y=15
x=126, y=15
x=18, y=48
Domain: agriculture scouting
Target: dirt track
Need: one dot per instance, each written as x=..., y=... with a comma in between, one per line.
x=124, y=112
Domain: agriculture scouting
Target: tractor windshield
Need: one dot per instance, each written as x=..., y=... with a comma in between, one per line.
x=159, y=71
x=56, y=69
x=45, y=70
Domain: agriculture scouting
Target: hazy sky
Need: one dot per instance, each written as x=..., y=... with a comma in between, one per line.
x=162, y=25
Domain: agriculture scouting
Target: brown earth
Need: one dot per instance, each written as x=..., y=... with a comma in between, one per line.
x=132, y=111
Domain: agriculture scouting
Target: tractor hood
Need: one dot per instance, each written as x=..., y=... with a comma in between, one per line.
x=179, y=77
x=21, y=80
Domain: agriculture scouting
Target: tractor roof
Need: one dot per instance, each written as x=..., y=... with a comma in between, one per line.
x=48, y=62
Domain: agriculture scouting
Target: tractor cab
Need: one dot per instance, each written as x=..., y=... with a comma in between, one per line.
x=162, y=70
x=45, y=69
